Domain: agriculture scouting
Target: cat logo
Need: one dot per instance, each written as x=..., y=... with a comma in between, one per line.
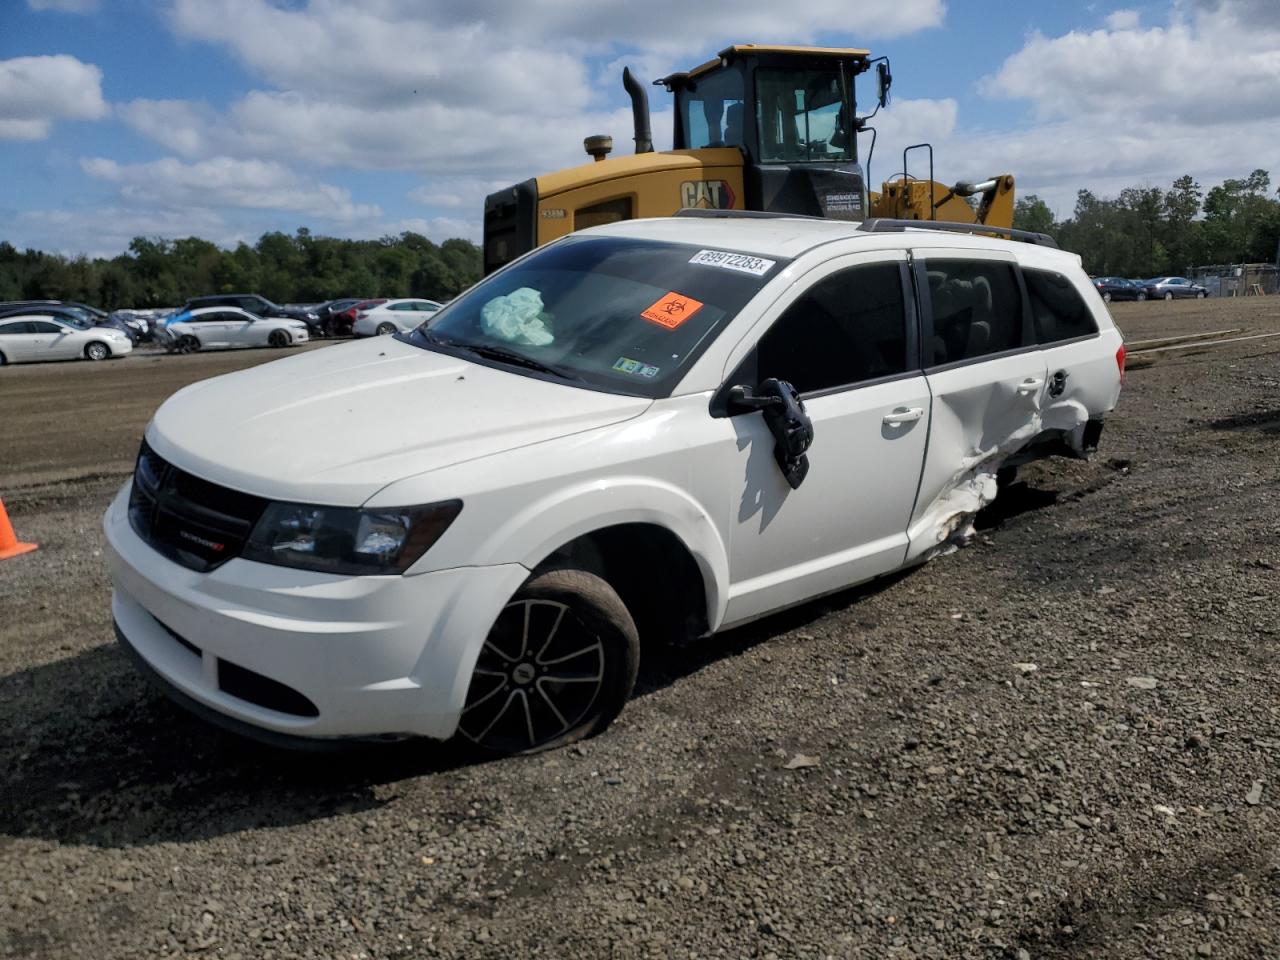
x=706, y=194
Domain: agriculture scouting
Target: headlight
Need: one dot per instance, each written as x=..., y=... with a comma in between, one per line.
x=347, y=540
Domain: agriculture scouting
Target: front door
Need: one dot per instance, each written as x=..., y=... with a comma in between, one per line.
x=842, y=337
x=986, y=375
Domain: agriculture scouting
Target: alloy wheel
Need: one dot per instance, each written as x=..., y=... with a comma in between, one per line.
x=537, y=678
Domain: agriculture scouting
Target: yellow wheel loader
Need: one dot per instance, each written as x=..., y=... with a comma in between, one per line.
x=767, y=128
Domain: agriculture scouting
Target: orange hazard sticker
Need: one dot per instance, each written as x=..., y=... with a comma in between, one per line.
x=672, y=310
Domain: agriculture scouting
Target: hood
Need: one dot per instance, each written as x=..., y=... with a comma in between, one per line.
x=334, y=426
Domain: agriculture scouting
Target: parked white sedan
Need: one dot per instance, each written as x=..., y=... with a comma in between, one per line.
x=33, y=337
x=232, y=327
x=394, y=316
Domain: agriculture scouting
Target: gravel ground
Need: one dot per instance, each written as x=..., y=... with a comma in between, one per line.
x=1061, y=742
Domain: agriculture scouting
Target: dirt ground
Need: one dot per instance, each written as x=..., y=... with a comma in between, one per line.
x=1063, y=741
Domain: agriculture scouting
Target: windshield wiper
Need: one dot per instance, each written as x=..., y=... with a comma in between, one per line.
x=517, y=359
x=498, y=353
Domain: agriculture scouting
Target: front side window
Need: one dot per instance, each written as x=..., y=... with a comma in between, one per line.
x=1057, y=309
x=801, y=116
x=977, y=310
x=711, y=110
x=848, y=328
x=612, y=313
x=46, y=326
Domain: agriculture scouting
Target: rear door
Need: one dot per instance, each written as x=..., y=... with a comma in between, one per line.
x=844, y=336
x=986, y=375
x=1083, y=375
x=16, y=341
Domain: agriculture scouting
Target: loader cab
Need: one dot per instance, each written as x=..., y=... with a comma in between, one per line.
x=791, y=111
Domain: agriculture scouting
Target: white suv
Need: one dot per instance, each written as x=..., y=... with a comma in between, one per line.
x=643, y=431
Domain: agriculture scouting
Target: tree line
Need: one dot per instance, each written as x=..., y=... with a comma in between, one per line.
x=301, y=268
x=1144, y=232
x=1150, y=232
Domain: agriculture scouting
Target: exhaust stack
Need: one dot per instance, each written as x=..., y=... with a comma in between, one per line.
x=639, y=111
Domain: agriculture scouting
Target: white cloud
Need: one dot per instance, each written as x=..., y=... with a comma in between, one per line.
x=35, y=92
x=106, y=231
x=225, y=181
x=1124, y=20
x=64, y=6
x=1126, y=105
x=1116, y=73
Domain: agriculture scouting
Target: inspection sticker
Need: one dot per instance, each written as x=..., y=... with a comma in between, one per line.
x=672, y=310
x=756, y=266
x=627, y=365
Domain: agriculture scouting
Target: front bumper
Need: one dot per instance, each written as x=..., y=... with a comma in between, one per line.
x=364, y=656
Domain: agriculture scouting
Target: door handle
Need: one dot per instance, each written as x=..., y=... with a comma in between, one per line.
x=1031, y=385
x=903, y=415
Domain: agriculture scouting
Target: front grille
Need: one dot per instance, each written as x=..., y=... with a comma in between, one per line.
x=198, y=524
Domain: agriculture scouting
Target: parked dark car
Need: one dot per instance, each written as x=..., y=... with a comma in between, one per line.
x=257, y=305
x=329, y=311
x=1174, y=288
x=343, y=320
x=1118, y=288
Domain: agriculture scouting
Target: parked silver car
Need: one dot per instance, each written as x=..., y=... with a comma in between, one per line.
x=231, y=327
x=1173, y=288
x=30, y=338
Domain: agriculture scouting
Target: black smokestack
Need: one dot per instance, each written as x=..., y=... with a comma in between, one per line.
x=639, y=111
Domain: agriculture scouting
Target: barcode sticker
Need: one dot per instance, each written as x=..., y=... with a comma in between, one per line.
x=741, y=262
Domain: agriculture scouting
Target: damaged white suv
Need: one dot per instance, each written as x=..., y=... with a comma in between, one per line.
x=643, y=431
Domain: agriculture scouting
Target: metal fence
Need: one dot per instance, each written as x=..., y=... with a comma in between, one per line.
x=1239, y=279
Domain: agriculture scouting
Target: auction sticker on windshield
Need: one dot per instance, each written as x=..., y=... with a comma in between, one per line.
x=672, y=310
x=756, y=266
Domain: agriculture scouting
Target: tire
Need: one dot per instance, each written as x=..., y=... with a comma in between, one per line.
x=385, y=328
x=1168, y=294
x=1106, y=297
x=97, y=350
x=187, y=344
x=1200, y=294
x=563, y=623
x=1141, y=297
x=278, y=338
x=3, y=361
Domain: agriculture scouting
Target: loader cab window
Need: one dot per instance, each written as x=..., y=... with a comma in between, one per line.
x=803, y=115
x=711, y=110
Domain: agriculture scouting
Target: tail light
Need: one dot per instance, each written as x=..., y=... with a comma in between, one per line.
x=1120, y=354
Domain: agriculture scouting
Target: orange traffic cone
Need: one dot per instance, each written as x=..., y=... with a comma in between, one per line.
x=9, y=545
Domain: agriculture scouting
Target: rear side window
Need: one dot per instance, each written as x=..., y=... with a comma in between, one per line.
x=977, y=310
x=848, y=328
x=1057, y=308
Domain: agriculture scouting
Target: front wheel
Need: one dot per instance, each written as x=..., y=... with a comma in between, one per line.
x=1106, y=297
x=1141, y=297
x=385, y=328
x=187, y=344
x=278, y=338
x=97, y=351
x=1168, y=294
x=558, y=666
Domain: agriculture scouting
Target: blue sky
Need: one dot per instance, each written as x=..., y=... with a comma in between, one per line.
x=226, y=118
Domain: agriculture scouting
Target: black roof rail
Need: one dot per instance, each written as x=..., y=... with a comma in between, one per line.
x=881, y=225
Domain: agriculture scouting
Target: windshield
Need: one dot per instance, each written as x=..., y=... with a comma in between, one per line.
x=612, y=313
x=801, y=115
